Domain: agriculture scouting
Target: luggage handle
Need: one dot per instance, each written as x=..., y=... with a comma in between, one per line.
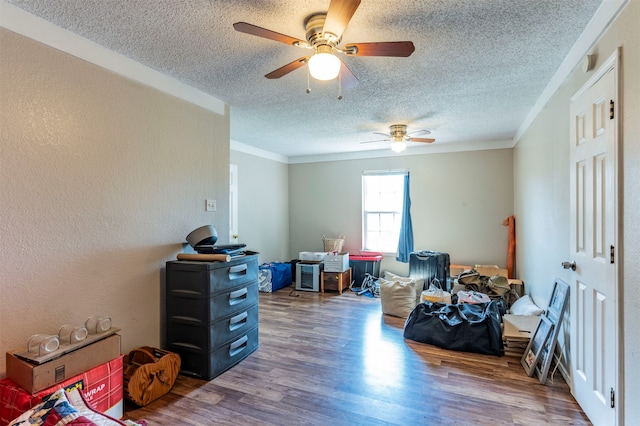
x=425, y=254
x=484, y=316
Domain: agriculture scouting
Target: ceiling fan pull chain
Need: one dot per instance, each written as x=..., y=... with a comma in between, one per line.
x=340, y=86
x=308, y=84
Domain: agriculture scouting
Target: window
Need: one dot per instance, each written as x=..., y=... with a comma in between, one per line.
x=382, y=198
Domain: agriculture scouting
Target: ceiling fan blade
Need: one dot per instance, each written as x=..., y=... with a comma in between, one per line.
x=427, y=140
x=380, y=140
x=347, y=79
x=339, y=15
x=420, y=132
x=291, y=66
x=243, y=27
x=385, y=48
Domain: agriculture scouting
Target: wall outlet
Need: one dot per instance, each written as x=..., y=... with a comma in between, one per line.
x=211, y=205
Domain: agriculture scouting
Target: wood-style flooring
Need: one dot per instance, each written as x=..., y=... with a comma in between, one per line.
x=330, y=359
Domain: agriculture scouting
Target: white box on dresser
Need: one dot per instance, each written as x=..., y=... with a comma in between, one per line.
x=336, y=262
x=312, y=256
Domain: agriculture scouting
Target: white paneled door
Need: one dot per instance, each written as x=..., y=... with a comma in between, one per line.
x=594, y=246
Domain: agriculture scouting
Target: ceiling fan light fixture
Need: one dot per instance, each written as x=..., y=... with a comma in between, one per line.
x=324, y=65
x=398, y=146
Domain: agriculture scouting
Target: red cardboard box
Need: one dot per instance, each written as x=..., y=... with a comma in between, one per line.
x=101, y=387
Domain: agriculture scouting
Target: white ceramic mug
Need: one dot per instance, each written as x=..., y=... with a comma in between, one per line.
x=43, y=343
x=72, y=334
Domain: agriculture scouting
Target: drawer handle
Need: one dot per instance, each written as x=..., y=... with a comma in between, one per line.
x=238, y=346
x=237, y=271
x=186, y=319
x=238, y=321
x=238, y=296
x=186, y=292
x=186, y=345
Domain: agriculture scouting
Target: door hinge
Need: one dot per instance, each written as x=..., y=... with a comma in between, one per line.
x=612, y=254
x=613, y=398
x=611, y=105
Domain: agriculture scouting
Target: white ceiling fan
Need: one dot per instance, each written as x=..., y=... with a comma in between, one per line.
x=323, y=38
x=399, y=137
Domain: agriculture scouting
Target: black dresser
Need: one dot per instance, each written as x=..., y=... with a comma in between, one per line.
x=212, y=313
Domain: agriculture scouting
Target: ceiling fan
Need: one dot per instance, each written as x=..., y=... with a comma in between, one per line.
x=398, y=137
x=323, y=36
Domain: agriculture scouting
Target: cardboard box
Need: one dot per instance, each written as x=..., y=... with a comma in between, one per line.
x=516, y=285
x=36, y=377
x=101, y=387
x=338, y=262
x=455, y=270
x=491, y=270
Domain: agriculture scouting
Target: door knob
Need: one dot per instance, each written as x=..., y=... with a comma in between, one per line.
x=569, y=265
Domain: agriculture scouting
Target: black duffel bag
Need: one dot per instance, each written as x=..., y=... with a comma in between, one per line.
x=462, y=327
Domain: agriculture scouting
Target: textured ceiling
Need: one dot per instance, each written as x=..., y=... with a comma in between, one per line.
x=477, y=70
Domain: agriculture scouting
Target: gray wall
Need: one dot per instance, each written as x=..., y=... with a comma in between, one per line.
x=541, y=166
x=263, y=206
x=101, y=179
x=459, y=201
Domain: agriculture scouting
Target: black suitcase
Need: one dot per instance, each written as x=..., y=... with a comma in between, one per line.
x=428, y=265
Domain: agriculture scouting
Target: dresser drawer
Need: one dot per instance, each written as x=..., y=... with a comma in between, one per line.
x=203, y=279
x=205, y=311
x=207, y=365
x=207, y=338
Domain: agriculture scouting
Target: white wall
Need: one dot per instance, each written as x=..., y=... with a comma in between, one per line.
x=263, y=206
x=101, y=179
x=459, y=201
x=541, y=167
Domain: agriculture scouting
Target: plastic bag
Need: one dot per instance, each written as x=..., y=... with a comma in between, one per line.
x=435, y=293
x=472, y=297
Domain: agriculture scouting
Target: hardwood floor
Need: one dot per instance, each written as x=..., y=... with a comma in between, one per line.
x=329, y=359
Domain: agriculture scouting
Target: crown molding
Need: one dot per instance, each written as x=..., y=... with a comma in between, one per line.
x=600, y=22
x=18, y=21
x=252, y=150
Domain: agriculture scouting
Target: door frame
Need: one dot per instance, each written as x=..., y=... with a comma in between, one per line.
x=233, y=203
x=613, y=63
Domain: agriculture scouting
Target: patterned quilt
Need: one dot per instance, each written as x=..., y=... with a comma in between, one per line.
x=67, y=408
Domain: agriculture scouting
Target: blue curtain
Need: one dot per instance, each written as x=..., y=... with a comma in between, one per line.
x=405, y=243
